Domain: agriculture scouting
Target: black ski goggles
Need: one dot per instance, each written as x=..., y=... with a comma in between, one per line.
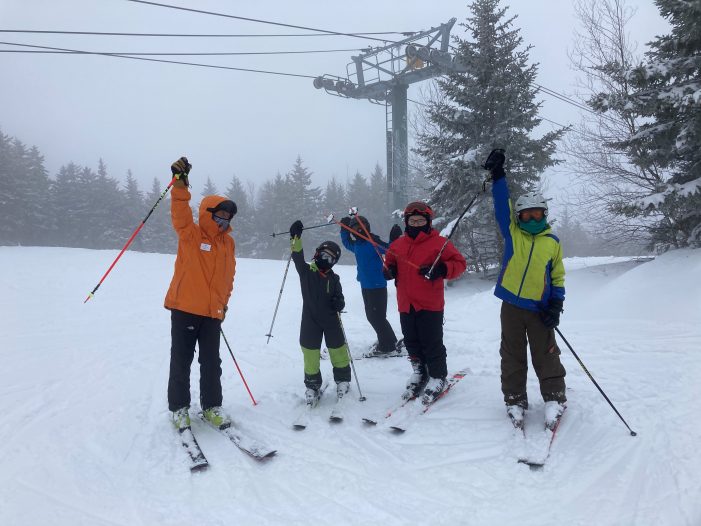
x=327, y=256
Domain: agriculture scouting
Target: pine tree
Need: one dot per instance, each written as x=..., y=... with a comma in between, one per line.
x=158, y=235
x=304, y=201
x=134, y=210
x=243, y=224
x=491, y=105
x=209, y=188
x=68, y=213
x=666, y=92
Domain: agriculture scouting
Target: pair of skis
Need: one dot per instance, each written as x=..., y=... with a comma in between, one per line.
x=536, y=459
x=337, y=413
x=401, y=416
x=246, y=443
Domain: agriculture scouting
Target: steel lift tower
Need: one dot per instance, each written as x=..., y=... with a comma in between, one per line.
x=382, y=75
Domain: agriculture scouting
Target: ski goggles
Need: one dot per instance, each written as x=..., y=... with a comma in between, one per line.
x=417, y=207
x=327, y=256
x=531, y=213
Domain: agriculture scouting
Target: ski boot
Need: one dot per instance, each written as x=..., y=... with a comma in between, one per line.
x=516, y=413
x=181, y=419
x=312, y=396
x=217, y=417
x=417, y=381
x=434, y=389
x=553, y=412
x=342, y=389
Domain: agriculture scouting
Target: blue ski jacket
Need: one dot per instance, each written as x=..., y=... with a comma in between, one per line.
x=369, y=264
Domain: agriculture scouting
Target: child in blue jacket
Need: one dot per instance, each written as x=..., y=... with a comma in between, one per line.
x=368, y=257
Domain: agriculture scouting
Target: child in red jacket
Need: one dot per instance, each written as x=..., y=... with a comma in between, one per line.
x=420, y=297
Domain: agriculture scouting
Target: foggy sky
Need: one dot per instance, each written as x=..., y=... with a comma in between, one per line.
x=143, y=115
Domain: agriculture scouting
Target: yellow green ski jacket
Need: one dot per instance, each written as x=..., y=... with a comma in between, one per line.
x=532, y=272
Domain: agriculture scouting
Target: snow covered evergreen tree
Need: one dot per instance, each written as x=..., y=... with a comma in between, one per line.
x=666, y=92
x=243, y=224
x=492, y=105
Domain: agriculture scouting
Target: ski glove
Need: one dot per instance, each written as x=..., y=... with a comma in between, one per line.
x=226, y=308
x=337, y=303
x=181, y=169
x=495, y=164
x=296, y=229
x=440, y=271
x=390, y=272
x=345, y=221
x=395, y=233
x=551, y=315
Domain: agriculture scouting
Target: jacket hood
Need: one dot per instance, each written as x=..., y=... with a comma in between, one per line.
x=205, y=218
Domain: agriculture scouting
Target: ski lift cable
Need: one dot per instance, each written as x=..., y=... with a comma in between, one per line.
x=256, y=20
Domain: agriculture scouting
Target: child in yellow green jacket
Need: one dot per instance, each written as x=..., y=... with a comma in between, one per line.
x=531, y=285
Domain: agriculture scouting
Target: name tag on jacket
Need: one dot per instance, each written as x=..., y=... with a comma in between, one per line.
x=206, y=247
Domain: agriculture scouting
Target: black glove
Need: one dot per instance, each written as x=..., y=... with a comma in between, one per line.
x=551, y=314
x=226, y=308
x=296, y=229
x=390, y=272
x=345, y=221
x=440, y=271
x=395, y=233
x=337, y=303
x=181, y=169
x=495, y=163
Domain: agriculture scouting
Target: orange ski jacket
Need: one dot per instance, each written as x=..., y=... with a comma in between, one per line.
x=206, y=262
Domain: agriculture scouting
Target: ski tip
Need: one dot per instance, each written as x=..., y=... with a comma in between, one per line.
x=299, y=427
x=535, y=466
x=397, y=430
x=198, y=468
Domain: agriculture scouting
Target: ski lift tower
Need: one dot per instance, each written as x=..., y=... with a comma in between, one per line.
x=382, y=75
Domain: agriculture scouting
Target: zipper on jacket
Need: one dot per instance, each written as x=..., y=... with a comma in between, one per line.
x=523, y=279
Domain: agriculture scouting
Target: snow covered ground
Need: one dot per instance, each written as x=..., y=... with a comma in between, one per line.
x=86, y=438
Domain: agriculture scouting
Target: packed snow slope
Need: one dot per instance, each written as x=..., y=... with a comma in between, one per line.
x=86, y=439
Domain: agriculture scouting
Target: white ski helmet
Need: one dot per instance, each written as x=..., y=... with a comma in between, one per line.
x=531, y=200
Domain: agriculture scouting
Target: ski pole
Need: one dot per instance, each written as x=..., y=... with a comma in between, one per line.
x=237, y=367
x=632, y=433
x=350, y=357
x=372, y=241
x=284, y=278
x=143, y=222
x=305, y=228
x=452, y=230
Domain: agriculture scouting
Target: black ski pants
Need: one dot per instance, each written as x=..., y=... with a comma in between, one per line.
x=423, y=337
x=186, y=330
x=375, y=301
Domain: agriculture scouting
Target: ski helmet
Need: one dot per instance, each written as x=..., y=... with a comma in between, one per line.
x=360, y=224
x=418, y=208
x=531, y=200
x=327, y=255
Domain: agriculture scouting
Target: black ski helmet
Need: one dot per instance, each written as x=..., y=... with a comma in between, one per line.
x=327, y=255
x=360, y=224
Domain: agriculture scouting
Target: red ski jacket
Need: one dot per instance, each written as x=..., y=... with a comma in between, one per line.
x=412, y=288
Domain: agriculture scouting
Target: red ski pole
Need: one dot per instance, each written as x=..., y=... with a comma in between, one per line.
x=131, y=239
x=237, y=367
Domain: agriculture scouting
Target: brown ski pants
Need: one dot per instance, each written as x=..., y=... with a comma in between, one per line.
x=521, y=328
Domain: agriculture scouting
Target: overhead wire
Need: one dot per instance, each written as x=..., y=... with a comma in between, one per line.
x=214, y=53
x=214, y=66
x=257, y=20
x=190, y=35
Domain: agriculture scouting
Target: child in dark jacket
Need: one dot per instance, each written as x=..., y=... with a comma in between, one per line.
x=322, y=301
x=420, y=296
x=373, y=284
